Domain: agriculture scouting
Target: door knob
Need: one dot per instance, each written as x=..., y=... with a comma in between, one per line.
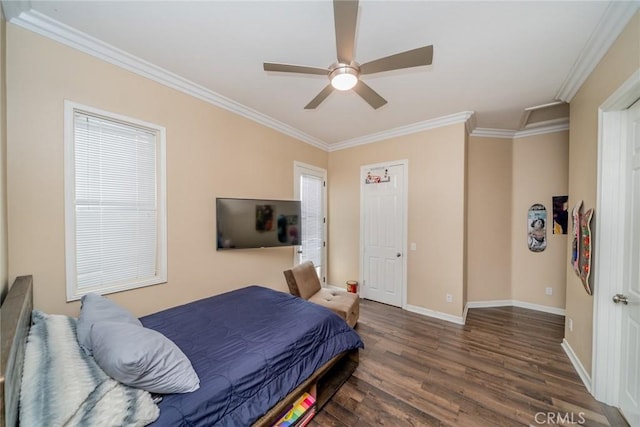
x=398, y=255
x=619, y=298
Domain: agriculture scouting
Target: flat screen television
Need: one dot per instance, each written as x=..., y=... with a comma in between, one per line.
x=257, y=223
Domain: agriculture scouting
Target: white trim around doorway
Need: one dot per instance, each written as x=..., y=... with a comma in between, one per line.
x=610, y=240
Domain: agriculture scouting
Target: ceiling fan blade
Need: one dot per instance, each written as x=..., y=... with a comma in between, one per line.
x=408, y=59
x=286, y=68
x=369, y=95
x=345, y=15
x=319, y=98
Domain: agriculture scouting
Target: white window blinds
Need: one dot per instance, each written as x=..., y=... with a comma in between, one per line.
x=116, y=208
x=311, y=198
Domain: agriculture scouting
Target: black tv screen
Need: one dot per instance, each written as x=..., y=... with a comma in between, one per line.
x=257, y=223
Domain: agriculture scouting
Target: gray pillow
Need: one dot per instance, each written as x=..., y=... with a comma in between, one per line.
x=143, y=358
x=96, y=308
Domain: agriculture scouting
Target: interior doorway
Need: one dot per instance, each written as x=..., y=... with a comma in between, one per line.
x=383, y=218
x=629, y=297
x=616, y=334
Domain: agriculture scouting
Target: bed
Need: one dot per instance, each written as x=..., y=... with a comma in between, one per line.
x=253, y=374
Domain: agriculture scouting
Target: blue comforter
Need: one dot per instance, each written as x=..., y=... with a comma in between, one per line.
x=250, y=348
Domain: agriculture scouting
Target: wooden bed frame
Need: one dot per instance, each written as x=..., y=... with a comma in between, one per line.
x=322, y=384
x=15, y=320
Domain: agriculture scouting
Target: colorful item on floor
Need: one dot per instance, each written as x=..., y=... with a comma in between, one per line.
x=300, y=413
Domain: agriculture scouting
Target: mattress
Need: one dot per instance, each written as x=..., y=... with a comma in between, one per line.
x=250, y=348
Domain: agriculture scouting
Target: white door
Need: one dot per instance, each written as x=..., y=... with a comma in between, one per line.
x=383, y=219
x=310, y=189
x=629, y=300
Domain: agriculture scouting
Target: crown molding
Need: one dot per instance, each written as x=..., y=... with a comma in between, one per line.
x=493, y=133
x=560, y=127
x=403, y=130
x=13, y=8
x=55, y=30
x=613, y=21
x=511, y=134
x=471, y=123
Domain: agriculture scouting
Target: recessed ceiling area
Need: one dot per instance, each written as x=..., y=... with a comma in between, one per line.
x=545, y=115
x=490, y=59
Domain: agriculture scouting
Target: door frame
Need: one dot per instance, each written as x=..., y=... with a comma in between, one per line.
x=610, y=221
x=405, y=227
x=296, y=195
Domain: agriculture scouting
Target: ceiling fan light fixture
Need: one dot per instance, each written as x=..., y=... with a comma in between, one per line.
x=345, y=74
x=344, y=77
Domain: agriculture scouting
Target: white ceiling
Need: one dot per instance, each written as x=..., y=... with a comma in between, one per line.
x=491, y=58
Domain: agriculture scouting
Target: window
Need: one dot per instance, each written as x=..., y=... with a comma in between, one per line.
x=309, y=188
x=115, y=204
x=311, y=192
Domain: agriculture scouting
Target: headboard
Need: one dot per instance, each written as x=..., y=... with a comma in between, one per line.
x=15, y=320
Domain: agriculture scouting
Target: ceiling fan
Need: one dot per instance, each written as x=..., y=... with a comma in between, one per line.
x=345, y=74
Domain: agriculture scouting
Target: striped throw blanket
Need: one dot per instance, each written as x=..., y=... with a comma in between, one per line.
x=61, y=386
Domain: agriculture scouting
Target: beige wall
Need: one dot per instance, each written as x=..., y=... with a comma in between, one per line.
x=489, y=222
x=622, y=59
x=507, y=176
x=210, y=152
x=539, y=173
x=4, y=286
x=436, y=203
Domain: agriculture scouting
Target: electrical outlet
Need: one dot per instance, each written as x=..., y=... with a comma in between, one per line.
x=413, y=246
x=548, y=291
x=449, y=298
x=570, y=324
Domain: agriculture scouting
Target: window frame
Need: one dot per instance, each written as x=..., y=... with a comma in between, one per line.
x=300, y=168
x=73, y=292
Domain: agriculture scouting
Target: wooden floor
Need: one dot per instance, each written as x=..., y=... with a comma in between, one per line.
x=505, y=367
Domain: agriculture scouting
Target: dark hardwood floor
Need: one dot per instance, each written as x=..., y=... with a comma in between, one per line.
x=505, y=367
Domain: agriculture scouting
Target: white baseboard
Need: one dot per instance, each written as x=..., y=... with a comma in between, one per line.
x=489, y=304
x=461, y=320
x=538, y=307
x=516, y=303
x=436, y=314
x=584, y=375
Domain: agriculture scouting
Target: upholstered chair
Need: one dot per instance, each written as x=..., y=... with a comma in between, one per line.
x=303, y=282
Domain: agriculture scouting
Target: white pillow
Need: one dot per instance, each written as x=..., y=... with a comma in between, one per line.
x=143, y=358
x=96, y=308
x=63, y=386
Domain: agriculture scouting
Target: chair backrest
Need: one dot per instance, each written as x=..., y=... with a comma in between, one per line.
x=303, y=280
